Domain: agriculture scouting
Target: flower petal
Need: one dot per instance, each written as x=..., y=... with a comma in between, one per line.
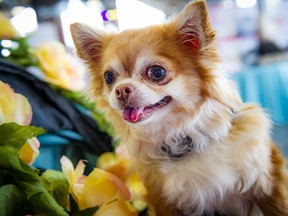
x=29, y=151
x=60, y=67
x=136, y=186
x=107, y=160
x=101, y=187
x=23, y=112
x=8, y=102
x=79, y=171
x=77, y=192
x=68, y=169
x=117, y=207
x=113, y=163
x=1, y=116
x=123, y=190
x=14, y=107
x=7, y=30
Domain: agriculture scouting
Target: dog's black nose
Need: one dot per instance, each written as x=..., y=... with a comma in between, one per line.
x=123, y=92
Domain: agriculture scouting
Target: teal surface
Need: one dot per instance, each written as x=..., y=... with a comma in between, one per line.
x=266, y=85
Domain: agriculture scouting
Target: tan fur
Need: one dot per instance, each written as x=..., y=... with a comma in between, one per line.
x=233, y=168
x=277, y=202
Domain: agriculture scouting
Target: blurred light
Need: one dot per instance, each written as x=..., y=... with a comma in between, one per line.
x=17, y=10
x=109, y=15
x=246, y=3
x=24, y=20
x=136, y=14
x=5, y=52
x=6, y=43
x=78, y=12
x=228, y=4
x=272, y=4
x=9, y=44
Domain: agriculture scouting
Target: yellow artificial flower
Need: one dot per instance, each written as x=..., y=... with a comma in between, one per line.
x=16, y=108
x=60, y=67
x=13, y=107
x=138, y=191
x=114, y=163
x=30, y=151
x=7, y=30
x=119, y=164
x=117, y=207
x=96, y=189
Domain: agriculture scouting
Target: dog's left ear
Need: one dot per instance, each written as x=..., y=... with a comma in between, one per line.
x=192, y=26
x=88, y=41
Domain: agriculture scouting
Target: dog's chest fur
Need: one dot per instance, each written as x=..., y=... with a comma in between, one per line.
x=217, y=177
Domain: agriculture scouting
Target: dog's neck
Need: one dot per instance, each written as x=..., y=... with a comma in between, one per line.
x=175, y=140
x=183, y=145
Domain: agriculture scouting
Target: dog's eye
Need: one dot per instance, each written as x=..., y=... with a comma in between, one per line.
x=109, y=77
x=156, y=73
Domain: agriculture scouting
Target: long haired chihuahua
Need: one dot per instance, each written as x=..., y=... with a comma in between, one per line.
x=198, y=147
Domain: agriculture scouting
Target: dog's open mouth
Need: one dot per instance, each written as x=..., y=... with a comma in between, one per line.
x=137, y=114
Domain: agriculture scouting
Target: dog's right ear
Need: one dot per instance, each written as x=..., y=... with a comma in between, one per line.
x=192, y=26
x=88, y=41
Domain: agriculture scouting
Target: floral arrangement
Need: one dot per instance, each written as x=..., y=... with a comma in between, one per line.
x=110, y=189
x=52, y=63
x=20, y=183
x=60, y=68
x=26, y=190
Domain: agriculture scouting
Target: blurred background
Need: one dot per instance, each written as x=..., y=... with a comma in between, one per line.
x=37, y=59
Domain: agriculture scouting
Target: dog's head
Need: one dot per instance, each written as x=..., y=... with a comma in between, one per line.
x=152, y=74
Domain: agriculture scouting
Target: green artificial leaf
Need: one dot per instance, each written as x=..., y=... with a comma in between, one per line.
x=19, y=52
x=56, y=183
x=26, y=178
x=22, y=171
x=5, y=153
x=40, y=201
x=12, y=200
x=89, y=211
x=44, y=204
x=14, y=135
x=3, y=178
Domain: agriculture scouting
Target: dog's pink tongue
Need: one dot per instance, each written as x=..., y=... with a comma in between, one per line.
x=132, y=114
